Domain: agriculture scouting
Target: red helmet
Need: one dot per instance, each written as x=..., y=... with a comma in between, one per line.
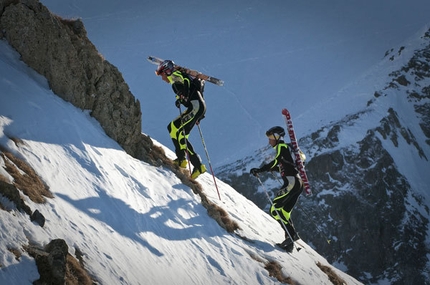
x=167, y=67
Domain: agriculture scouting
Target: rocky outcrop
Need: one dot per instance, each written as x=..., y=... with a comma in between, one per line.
x=60, y=50
x=56, y=266
x=375, y=223
x=24, y=178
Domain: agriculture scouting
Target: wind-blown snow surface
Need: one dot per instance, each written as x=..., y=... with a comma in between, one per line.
x=282, y=53
x=134, y=223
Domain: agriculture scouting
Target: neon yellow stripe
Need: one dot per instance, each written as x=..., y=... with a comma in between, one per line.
x=282, y=212
x=178, y=135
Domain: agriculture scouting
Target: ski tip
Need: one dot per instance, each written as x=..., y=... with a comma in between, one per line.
x=154, y=60
x=151, y=59
x=214, y=80
x=285, y=112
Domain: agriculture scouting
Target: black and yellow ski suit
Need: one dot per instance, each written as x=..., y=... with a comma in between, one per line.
x=188, y=94
x=290, y=191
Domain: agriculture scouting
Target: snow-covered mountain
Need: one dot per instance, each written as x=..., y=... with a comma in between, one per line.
x=369, y=172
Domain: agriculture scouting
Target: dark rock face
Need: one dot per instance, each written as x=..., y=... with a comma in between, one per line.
x=58, y=251
x=12, y=193
x=374, y=227
x=51, y=262
x=38, y=218
x=60, y=50
x=376, y=222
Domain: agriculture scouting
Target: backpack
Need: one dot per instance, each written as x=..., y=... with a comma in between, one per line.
x=293, y=155
x=199, y=84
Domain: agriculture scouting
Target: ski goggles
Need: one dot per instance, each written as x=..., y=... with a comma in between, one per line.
x=164, y=70
x=274, y=137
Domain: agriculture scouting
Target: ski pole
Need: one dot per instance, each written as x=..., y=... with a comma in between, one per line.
x=277, y=213
x=316, y=226
x=185, y=138
x=209, y=161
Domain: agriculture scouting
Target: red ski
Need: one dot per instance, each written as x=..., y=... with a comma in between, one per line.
x=296, y=149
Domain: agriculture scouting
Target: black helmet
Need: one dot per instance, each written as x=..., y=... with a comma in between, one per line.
x=166, y=67
x=275, y=133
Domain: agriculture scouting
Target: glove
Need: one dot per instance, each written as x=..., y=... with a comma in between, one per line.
x=254, y=171
x=201, y=118
x=178, y=103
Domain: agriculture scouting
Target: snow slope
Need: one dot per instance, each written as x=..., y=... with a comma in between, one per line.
x=134, y=223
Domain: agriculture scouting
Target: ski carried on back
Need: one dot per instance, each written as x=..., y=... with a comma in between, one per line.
x=298, y=159
x=193, y=73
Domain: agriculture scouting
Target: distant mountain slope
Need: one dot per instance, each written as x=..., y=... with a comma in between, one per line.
x=370, y=175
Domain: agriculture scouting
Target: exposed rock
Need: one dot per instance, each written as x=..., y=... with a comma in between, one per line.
x=38, y=218
x=51, y=262
x=371, y=217
x=57, y=250
x=9, y=191
x=24, y=177
x=60, y=50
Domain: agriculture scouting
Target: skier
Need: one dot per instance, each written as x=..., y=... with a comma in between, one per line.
x=188, y=93
x=291, y=189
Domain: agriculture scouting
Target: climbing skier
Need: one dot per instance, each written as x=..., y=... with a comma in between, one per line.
x=189, y=92
x=291, y=189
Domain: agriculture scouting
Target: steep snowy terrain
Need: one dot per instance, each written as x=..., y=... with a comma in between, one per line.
x=134, y=223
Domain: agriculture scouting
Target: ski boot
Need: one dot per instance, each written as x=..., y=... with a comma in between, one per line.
x=182, y=163
x=287, y=245
x=198, y=170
